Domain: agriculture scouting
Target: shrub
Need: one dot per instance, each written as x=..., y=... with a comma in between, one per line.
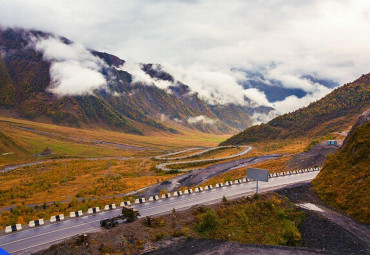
x=209, y=221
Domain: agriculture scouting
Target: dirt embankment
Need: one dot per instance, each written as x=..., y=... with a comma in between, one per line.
x=312, y=158
x=197, y=177
x=326, y=229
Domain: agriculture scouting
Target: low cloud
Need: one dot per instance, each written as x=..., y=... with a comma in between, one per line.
x=199, y=42
x=200, y=119
x=138, y=75
x=292, y=103
x=74, y=70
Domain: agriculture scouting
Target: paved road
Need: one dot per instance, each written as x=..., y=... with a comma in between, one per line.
x=164, y=166
x=31, y=240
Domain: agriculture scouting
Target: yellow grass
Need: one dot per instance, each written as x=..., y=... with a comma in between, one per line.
x=273, y=165
x=56, y=181
x=159, y=140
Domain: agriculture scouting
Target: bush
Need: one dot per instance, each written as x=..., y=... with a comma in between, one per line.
x=209, y=221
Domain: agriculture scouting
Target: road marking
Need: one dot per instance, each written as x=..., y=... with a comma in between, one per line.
x=49, y=232
x=51, y=241
x=178, y=201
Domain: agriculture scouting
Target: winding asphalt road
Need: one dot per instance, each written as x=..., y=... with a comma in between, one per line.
x=34, y=239
x=164, y=166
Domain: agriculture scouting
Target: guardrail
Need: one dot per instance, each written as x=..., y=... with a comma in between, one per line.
x=90, y=211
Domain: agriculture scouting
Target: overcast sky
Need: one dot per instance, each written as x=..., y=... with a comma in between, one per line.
x=201, y=41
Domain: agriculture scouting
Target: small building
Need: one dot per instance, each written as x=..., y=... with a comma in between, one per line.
x=332, y=142
x=46, y=152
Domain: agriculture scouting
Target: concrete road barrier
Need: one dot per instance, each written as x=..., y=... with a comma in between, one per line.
x=199, y=189
x=177, y=193
x=238, y=181
x=168, y=195
x=154, y=198
x=110, y=207
x=188, y=191
x=55, y=218
x=208, y=187
x=75, y=214
x=93, y=210
x=139, y=200
x=228, y=183
x=219, y=185
x=13, y=228
x=36, y=223
x=125, y=203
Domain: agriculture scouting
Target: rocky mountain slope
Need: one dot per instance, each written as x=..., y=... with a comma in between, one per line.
x=344, y=180
x=334, y=112
x=126, y=105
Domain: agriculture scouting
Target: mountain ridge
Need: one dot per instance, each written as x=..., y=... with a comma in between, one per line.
x=334, y=112
x=25, y=79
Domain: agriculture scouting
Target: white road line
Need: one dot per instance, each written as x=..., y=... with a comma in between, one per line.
x=46, y=233
x=150, y=206
x=52, y=241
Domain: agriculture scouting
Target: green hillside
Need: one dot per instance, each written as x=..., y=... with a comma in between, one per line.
x=334, y=112
x=344, y=181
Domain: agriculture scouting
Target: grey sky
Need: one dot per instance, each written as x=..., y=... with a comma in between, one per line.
x=200, y=41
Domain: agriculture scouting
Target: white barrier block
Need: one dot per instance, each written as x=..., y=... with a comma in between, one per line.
x=13, y=228
x=110, y=207
x=177, y=193
x=35, y=223
x=208, y=187
x=219, y=185
x=228, y=183
x=55, y=218
x=238, y=181
x=199, y=189
x=125, y=203
x=139, y=200
x=168, y=195
x=93, y=210
x=76, y=214
x=188, y=191
x=153, y=198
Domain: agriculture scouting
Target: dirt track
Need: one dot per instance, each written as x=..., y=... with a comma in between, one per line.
x=199, y=176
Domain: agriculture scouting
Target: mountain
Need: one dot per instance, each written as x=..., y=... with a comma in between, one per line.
x=344, y=180
x=125, y=105
x=334, y=112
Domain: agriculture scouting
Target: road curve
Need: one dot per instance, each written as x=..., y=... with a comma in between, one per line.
x=164, y=166
x=34, y=239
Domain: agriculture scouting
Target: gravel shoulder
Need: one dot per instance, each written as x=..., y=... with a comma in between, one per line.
x=324, y=227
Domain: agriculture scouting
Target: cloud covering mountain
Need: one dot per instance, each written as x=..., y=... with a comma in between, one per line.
x=205, y=44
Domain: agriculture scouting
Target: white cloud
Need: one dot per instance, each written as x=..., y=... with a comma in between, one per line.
x=200, y=119
x=139, y=75
x=74, y=70
x=200, y=41
x=292, y=103
x=257, y=96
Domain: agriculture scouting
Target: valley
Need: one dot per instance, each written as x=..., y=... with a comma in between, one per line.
x=184, y=127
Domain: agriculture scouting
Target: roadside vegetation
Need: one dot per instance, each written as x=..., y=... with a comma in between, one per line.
x=265, y=219
x=73, y=179
x=344, y=180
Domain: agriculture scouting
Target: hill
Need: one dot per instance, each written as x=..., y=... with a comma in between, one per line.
x=126, y=105
x=344, y=180
x=334, y=112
